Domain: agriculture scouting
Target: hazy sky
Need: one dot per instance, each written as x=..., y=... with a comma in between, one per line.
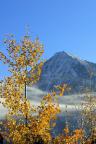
x=62, y=25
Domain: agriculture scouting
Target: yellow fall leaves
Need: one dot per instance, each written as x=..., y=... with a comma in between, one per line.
x=21, y=58
x=62, y=88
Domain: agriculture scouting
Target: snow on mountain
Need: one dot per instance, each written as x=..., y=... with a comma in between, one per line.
x=66, y=68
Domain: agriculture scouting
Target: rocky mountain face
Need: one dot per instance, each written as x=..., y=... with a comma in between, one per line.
x=65, y=68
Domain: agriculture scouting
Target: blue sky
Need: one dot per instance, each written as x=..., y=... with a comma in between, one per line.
x=62, y=25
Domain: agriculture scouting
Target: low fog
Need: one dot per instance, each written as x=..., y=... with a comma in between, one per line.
x=71, y=102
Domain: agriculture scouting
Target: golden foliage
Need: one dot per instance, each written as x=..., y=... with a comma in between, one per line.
x=21, y=58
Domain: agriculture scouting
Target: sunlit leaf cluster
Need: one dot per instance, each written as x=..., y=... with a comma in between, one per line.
x=25, y=122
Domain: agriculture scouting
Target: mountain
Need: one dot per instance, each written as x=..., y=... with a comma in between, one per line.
x=65, y=68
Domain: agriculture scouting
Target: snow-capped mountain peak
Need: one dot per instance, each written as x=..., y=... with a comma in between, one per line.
x=66, y=68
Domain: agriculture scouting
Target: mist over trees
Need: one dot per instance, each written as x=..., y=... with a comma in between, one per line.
x=26, y=123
